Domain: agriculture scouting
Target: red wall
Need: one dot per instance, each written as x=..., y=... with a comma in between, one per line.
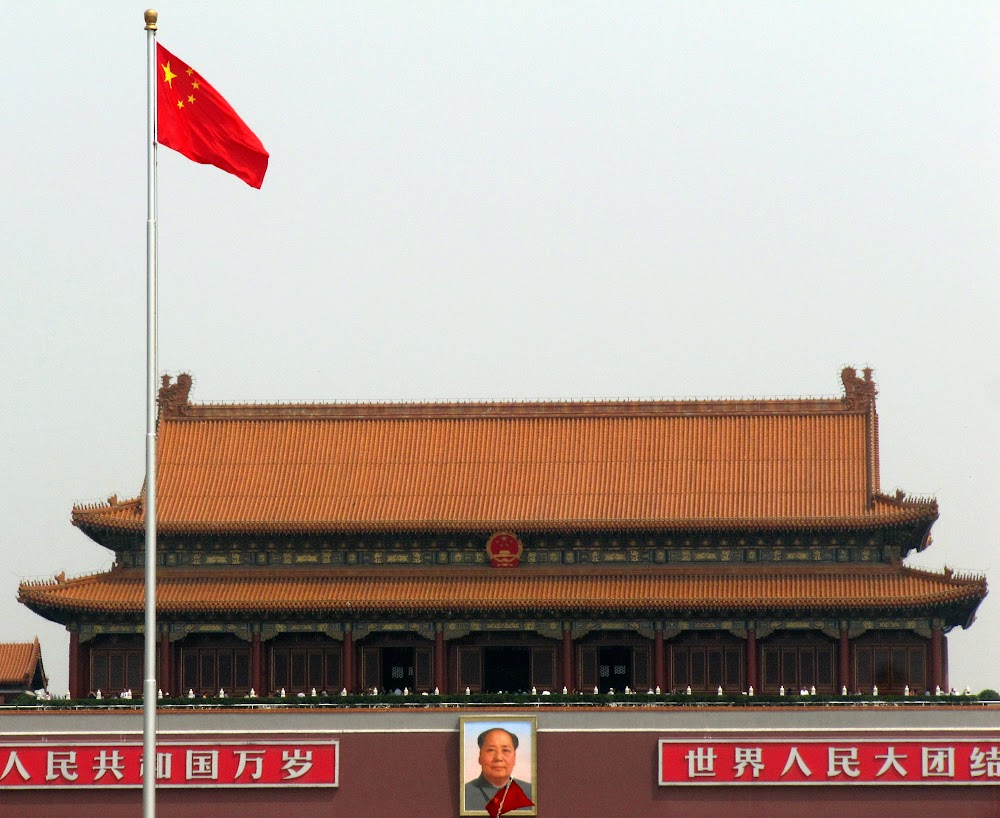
x=580, y=775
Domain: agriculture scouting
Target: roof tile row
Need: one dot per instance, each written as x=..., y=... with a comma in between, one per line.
x=18, y=663
x=535, y=473
x=259, y=591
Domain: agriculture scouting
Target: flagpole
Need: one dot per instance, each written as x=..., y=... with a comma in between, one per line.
x=149, y=682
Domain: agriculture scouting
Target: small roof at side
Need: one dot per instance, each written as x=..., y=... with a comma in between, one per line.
x=21, y=666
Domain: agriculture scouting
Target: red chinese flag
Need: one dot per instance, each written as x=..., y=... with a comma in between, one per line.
x=507, y=799
x=194, y=119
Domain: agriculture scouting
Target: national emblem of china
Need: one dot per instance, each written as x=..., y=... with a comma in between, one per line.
x=505, y=550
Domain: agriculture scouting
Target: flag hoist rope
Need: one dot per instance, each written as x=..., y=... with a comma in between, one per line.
x=149, y=675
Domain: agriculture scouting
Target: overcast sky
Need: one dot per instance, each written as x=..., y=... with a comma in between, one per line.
x=507, y=200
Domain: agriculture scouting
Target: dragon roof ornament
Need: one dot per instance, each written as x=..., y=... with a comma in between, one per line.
x=859, y=393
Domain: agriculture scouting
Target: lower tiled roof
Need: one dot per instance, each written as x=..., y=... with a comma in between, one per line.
x=19, y=662
x=343, y=593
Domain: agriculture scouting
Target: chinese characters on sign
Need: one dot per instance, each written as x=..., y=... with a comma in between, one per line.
x=188, y=764
x=829, y=762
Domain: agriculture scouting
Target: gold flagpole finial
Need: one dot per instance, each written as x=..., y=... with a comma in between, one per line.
x=150, y=15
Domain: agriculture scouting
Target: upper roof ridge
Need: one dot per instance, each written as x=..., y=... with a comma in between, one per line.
x=859, y=395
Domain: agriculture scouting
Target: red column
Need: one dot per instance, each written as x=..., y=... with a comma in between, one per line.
x=440, y=662
x=569, y=672
x=86, y=648
x=944, y=661
x=257, y=665
x=937, y=659
x=752, y=680
x=659, y=669
x=844, y=659
x=166, y=680
x=75, y=671
x=348, y=668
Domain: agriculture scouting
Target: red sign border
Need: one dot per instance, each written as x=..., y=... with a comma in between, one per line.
x=730, y=740
x=199, y=742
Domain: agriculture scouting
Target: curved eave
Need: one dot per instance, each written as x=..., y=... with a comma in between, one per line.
x=94, y=523
x=465, y=593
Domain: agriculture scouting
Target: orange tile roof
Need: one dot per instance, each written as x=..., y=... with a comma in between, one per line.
x=19, y=663
x=526, y=466
x=533, y=592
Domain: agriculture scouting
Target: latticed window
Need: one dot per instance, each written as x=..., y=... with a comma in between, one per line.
x=798, y=667
x=706, y=668
x=543, y=668
x=891, y=668
x=396, y=667
x=299, y=669
x=114, y=670
x=116, y=663
x=422, y=663
x=614, y=667
x=470, y=668
x=206, y=670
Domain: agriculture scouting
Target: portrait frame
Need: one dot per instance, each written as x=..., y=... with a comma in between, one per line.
x=525, y=769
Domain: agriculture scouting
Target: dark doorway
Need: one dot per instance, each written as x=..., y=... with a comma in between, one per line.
x=397, y=669
x=506, y=669
x=614, y=668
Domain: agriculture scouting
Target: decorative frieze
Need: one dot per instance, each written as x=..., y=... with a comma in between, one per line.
x=456, y=630
x=269, y=630
x=238, y=629
x=580, y=628
x=174, y=631
x=829, y=627
x=543, y=552
x=550, y=629
x=89, y=630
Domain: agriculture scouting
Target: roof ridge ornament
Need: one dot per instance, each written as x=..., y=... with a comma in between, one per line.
x=859, y=393
x=173, y=397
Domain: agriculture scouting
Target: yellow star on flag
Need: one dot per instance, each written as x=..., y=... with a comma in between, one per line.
x=168, y=75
